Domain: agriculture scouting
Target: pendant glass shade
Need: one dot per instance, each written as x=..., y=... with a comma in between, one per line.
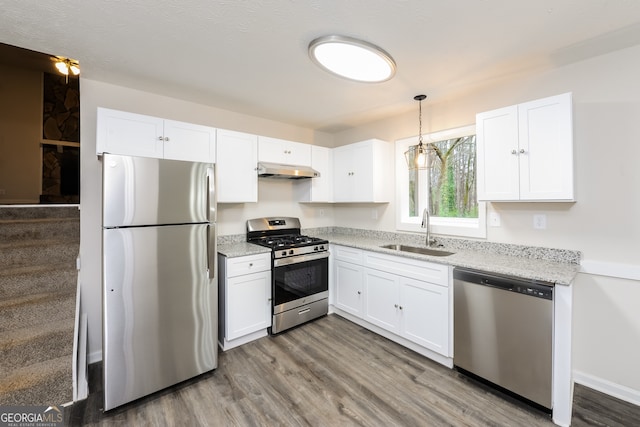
x=419, y=156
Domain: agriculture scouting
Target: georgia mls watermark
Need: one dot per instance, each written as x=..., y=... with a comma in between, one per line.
x=31, y=416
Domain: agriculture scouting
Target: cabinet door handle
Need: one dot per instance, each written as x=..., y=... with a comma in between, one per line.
x=514, y=152
x=522, y=151
x=359, y=292
x=250, y=264
x=395, y=305
x=166, y=138
x=160, y=138
x=400, y=307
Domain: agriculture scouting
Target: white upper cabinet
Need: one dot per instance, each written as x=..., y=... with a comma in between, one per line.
x=319, y=189
x=525, y=151
x=186, y=141
x=121, y=132
x=363, y=172
x=275, y=150
x=237, y=155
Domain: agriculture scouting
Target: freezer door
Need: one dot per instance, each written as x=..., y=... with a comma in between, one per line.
x=160, y=309
x=145, y=191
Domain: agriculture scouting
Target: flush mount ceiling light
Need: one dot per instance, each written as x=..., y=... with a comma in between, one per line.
x=420, y=156
x=352, y=59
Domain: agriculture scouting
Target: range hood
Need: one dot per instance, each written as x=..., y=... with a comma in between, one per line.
x=280, y=171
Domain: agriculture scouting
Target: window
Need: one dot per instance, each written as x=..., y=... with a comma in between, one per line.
x=448, y=189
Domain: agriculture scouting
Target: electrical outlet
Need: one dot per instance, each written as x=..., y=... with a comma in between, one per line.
x=540, y=221
x=494, y=219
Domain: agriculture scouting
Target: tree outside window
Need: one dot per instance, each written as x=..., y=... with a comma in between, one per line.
x=448, y=189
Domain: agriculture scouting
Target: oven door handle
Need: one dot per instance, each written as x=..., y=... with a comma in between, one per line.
x=299, y=258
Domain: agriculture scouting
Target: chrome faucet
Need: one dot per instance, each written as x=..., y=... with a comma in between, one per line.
x=426, y=224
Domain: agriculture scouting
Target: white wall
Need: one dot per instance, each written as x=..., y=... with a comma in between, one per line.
x=275, y=195
x=603, y=223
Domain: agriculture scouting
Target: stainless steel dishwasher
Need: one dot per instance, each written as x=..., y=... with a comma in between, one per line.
x=503, y=332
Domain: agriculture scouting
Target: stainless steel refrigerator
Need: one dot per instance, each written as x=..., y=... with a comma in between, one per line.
x=158, y=275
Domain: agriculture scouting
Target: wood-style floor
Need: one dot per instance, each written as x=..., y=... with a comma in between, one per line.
x=332, y=372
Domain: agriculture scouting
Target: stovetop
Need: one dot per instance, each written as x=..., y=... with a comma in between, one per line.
x=288, y=241
x=283, y=236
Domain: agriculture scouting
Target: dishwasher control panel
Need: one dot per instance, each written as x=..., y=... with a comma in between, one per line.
x=530, y=287
x=535, y=291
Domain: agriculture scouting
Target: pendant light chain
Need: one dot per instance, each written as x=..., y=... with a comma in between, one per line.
x=420, y=98
x=420, y=123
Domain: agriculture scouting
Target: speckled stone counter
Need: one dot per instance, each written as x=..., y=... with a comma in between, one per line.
x=236, y=249
x=552, y=265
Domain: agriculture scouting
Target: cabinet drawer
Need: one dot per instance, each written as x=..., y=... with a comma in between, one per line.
x=248, y=264
x=344, y=253
x=437, y=274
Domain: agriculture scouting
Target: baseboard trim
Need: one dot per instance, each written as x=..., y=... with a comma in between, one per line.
x=607, y=387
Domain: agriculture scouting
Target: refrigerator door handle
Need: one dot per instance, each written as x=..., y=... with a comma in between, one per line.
x=212, y=250
x=211, y=195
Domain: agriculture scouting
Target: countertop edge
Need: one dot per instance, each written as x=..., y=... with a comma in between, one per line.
x=549, y=271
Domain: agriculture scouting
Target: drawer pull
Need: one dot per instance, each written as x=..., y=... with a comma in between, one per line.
x=304, y=311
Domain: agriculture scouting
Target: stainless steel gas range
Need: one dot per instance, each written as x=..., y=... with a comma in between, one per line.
x=299, y=270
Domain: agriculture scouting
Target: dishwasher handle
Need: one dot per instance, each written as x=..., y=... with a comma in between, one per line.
x=529, y=287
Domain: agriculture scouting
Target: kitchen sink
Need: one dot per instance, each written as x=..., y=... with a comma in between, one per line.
x=417, y=250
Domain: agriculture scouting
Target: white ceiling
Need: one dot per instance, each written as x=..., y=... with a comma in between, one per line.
x=250, y=56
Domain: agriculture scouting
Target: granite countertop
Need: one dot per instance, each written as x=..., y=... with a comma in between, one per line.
x=232, y=249
x=559, y=266
x=556, y=266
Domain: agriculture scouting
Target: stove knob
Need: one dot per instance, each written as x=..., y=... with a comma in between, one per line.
x=290, y=251
x=322, y=247
x=315, y=248
x=284, y=253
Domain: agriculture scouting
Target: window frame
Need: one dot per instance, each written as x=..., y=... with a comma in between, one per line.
x=463, y=227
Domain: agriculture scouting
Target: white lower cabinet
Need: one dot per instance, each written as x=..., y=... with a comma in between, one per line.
x=381, y=299
x=349, y=293
x=245, y=298
x=424, y=309
x=405, y=299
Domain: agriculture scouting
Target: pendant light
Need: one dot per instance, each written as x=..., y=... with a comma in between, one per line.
x=420, y=156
